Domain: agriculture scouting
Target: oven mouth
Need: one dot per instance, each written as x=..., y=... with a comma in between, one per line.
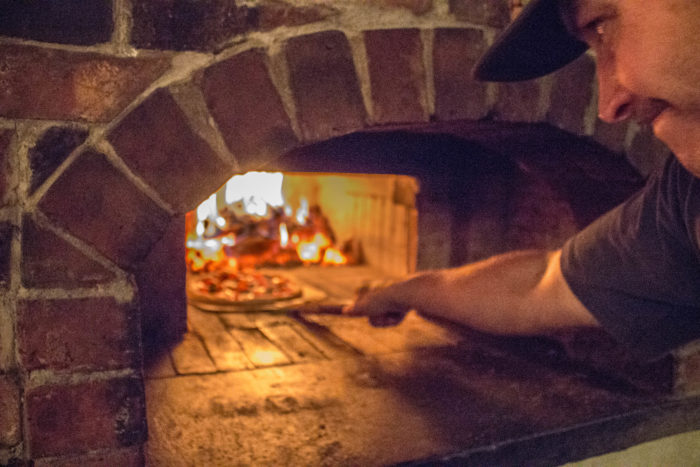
x=296, y=357
x=246, y=242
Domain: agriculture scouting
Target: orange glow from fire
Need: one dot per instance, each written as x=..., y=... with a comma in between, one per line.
x=310, y=250
x=248, y=223
x=334, y=256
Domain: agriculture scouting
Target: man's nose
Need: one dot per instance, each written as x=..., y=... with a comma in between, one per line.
x=614, y=100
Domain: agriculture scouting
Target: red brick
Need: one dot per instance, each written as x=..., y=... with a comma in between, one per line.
x=6, y=230
x=10, y=432
x=206, y=26
x=5, y=138
x=176, y=25
x=95, y=202
x=418, y=7
x=157, y=143
x=75, y=419
x=571, y=96
x=66, y=22
x=324, y=85
x=249, y=112
x=492, y=12
x=273, y=14
x=397, y=75
x=457, y=94
x=63, y=85
x=10, y=456
x=131, y=457
x=49, y=261
x=77, y=334
x=54, y=146
x=518, y=102
x=161, y=285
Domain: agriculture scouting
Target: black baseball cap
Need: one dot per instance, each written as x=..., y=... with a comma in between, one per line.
x=536, y=43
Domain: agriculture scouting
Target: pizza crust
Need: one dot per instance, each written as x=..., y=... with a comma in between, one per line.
x=245, y=290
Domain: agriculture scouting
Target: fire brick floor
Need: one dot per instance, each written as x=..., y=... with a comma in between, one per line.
x=284, y=388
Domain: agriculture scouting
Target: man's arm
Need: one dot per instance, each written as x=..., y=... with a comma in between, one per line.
x=521, y=292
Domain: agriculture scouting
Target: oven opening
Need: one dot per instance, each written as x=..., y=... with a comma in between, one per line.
x=262, y=240
x=273, y=257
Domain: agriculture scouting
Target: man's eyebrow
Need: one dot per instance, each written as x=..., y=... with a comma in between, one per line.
x=567, y=11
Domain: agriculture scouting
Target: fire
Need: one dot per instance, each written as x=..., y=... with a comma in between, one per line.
x=334, y=256
x=310, y=250
x=248, y=223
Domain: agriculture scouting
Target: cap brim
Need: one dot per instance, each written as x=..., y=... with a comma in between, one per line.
x=536, y=43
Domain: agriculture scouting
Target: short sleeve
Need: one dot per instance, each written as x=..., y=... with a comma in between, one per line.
x=637, y=268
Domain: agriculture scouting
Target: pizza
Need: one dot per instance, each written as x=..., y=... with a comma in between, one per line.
x=247, y=288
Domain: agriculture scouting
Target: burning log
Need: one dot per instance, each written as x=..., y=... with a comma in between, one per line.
x=228, y=241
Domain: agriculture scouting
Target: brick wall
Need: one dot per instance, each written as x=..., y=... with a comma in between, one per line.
x=117, y=117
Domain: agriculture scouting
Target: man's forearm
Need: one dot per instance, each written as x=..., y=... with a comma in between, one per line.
x=515, y=293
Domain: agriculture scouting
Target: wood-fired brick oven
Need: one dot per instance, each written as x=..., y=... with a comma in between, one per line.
x=119, y=117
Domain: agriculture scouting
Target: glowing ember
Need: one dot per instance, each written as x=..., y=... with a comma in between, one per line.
x=248, y=223
x=334, y=256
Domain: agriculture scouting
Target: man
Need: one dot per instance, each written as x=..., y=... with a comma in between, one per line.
x=635, y=271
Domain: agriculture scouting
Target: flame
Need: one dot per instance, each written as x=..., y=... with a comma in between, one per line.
x=310, y=250
x=201, y=253
x=248, y=223
x=303, y=211
x=334, y=256
x=319, y=250
x=256, y=190
x=284, y=235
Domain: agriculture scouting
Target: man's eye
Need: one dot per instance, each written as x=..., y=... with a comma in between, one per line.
x=599, y=29
x=596, y=31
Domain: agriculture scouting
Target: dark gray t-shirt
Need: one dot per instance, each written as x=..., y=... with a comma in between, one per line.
x=637, y=268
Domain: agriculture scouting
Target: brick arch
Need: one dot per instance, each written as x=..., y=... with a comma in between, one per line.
x=327, y=89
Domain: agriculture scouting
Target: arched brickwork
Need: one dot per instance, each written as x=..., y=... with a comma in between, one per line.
x=326, y=89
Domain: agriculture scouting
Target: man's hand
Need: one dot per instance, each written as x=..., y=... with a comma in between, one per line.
x=376, y=301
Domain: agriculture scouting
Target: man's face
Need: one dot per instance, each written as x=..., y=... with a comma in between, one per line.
x=648, y=64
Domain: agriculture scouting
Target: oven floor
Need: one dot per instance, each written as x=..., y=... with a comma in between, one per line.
x=279, y=388
x=237, y=388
